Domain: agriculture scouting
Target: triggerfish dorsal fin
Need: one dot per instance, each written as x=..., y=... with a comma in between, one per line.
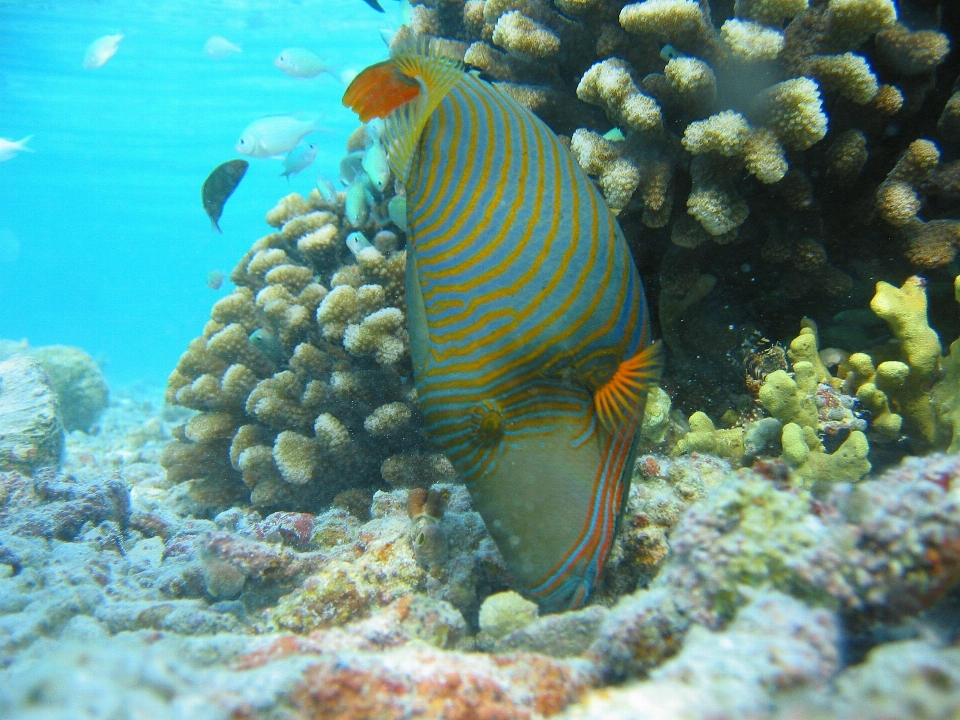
x=623, y=395
x=404, y=91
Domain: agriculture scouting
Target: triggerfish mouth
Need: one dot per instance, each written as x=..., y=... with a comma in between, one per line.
x=529, y=330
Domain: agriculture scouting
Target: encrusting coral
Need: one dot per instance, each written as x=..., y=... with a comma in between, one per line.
x=900, y=391
x=302, y=376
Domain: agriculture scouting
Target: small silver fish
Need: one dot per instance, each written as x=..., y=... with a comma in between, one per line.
x=299, y=62
x=274, y=135
x=350, y=166
x=218, y=48
x=374, y=163
x=101, y=50
x=9, y=148
x=357, y=204
x=299, y=158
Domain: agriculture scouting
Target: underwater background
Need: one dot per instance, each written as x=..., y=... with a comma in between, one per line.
x=258, y=499
x=103, y=240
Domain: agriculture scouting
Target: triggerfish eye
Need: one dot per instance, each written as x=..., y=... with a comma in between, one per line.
x=528, y=324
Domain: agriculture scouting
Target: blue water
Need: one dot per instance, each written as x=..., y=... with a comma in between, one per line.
x=104, y=243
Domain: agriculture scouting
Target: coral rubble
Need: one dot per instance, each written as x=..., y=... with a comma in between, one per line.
x=296, y=614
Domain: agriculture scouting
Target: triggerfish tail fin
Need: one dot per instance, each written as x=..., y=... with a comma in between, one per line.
x=404, y=90
x=623, y=395
x=23, y=144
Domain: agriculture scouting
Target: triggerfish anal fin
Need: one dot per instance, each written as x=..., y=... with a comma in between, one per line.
x=404, y=90
x=529, y=330
x=623, y=395
x=219, y=185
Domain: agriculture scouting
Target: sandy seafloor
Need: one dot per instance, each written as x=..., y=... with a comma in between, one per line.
x=118, y=600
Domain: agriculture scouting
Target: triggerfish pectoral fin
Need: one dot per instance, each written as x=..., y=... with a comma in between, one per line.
x=623, y=394
x=379, y=90
x=404, y=90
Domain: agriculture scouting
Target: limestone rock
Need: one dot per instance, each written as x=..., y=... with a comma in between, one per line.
x=31, y=435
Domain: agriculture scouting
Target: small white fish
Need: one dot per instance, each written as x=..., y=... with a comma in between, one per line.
x=101, y=50
x=299, y=62
x=299, y=158
x=274, y=135
x=218, y=48
x=9, y=148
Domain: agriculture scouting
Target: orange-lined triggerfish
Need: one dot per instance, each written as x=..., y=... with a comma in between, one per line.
x=528, y=325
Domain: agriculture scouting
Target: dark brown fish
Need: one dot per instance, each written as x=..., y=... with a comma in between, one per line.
x=218, y=187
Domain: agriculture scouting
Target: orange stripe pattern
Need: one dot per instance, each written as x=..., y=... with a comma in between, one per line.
x=532, y=303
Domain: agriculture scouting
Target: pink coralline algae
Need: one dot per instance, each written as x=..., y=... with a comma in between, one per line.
x=423, y=682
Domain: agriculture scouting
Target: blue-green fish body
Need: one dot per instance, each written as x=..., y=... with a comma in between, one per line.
x=528, y=325
x=357, y=203
x=374, y=163
x=397, y=211
x=299, y=158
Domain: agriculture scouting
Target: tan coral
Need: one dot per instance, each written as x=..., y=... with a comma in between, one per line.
x=912, y=53
x=692, y=82
x=714, y=200
x=764, y=157
x=678, y=22
x=794, y=111
x=769, y=12
x=846, y=156
x=610, y=85
x=848, y=74
x=525, y=38
x=751, y=41
x=850, y=22
x=617, y=176
x=724, y=133
x=289, y=207
x=380, y=334
x=388, y=419
x=933, y=244
x=297, y=457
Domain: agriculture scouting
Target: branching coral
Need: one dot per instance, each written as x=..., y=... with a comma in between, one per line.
x=301, y=377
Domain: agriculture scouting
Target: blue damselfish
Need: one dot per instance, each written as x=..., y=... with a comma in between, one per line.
x=529, y=329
